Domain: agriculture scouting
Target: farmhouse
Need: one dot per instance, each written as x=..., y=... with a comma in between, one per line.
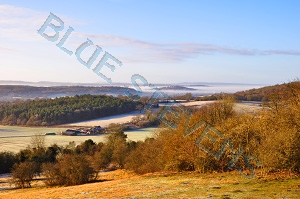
x=71, y=132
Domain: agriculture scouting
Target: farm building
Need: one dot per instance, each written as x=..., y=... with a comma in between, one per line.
x=51, y=133
x=98, y=128
x=71, y=132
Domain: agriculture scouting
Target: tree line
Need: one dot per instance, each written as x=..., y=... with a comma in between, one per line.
x=47, y=112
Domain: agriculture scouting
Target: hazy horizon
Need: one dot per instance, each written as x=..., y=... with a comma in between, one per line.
x=195, y=88
x=15, y=82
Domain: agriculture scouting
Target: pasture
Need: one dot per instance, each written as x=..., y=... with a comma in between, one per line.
x=13, y=138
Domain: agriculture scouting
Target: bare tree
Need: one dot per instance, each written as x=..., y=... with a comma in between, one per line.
x=38, y=141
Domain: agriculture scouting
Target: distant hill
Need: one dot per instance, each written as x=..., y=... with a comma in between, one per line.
x=177, y=88
x=12, y=92
x=259, y=94
x=255, y=94
x=46, y=83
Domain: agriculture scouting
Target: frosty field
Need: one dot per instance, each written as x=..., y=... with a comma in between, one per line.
x=14, y=138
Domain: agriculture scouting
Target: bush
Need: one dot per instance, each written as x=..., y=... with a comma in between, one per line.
x=115, y=128
x=7, y=161
x=147, y=157
x=51, y=172
x=70, y=170
x=23, y=174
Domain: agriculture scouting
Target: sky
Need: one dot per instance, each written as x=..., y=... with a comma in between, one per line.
x=163, y=41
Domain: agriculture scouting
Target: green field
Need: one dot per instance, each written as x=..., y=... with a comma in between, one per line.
x=14, y=138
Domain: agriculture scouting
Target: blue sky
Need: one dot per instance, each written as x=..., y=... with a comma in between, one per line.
x=162, y=40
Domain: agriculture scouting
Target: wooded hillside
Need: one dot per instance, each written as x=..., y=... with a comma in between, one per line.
x=259, y=94
x=47, y=112
x=255, y=94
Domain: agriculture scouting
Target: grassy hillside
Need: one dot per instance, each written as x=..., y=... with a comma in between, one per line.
x=123, y=184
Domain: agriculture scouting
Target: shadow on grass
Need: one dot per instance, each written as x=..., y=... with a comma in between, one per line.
x=95, y=181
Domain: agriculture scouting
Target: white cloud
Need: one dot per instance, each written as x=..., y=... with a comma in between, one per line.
x=172, y=52
x=21, y=24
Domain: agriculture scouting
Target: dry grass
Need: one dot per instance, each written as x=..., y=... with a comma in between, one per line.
x=124, y=184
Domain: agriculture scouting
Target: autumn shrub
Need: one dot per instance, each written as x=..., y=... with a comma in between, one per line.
x=71, y=169
x=147, y=157
x=7, y=160
x=52, y=173
x=114, y=150
x=280, y=130
x=23, y=174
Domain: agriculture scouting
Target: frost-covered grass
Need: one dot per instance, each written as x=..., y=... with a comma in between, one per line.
x=13, y=138
x=125, y=184
x=105, y=121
